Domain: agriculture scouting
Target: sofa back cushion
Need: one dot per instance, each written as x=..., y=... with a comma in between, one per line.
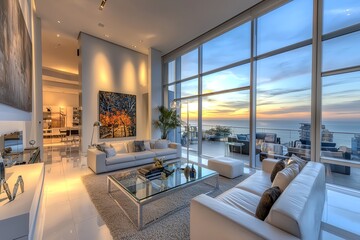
x=119, y=147
x=298, y=210
x=147, y=145
x=242, y=137
x=161, y=144
x=270, y=137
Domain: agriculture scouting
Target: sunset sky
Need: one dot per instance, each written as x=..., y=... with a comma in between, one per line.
x=283, y=80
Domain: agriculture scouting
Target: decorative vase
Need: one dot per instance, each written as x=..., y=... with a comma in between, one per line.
x=187, y=172
x=2, y=169
x=192, y=172
x=2, y=172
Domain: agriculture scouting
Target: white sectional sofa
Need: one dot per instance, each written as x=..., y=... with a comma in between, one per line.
x=296, y=214
x=126, y=156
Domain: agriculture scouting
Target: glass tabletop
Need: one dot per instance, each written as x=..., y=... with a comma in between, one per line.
x=141, y=188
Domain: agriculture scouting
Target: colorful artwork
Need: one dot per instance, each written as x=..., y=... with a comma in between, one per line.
x=117, y=114
x=15, y=57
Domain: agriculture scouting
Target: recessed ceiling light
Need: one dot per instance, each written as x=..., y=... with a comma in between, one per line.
x=58, y=21
x=102, y=4
x=134, y=46
x=58, y=35
x=107, y=35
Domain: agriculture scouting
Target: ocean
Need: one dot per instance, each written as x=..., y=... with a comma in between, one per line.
x=288, y=130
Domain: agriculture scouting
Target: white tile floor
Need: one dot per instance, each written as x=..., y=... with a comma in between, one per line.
x=70, y=213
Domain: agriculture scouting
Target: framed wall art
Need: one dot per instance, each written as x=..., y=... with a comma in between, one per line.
x=15, y=57
x=117, y=115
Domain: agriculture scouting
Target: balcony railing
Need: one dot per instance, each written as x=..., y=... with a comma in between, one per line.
x=286, y=137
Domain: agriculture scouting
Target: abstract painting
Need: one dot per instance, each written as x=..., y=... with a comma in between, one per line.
x=117, y=114
x=15, y=57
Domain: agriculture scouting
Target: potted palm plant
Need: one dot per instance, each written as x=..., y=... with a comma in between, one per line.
x=168, y=120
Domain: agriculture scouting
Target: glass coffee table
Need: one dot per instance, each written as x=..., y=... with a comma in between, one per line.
x=142, y=191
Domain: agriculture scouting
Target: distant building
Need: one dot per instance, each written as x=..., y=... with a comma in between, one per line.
x=305, y=133
x=355, y=144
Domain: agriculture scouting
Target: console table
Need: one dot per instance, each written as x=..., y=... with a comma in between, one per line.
x=23, y=217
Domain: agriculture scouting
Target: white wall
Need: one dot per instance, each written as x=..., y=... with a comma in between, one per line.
x=155, y=90
x=60, y=99
x=109, y=67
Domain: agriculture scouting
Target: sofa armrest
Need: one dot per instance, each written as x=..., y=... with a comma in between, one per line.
x=268, y=164
x=213, y=219
x=96, y=160
x=178, y=148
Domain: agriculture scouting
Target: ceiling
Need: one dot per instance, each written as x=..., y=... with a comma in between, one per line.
x=137, y=24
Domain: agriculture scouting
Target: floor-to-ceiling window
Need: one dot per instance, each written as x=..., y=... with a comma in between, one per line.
x=274, y=51
x=340, y=143
x=283, y=80
x=212, y=82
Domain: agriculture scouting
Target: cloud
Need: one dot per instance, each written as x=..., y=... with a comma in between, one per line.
x=349, y=107
x=282, y=91
x=285, y=66
x=286, y=109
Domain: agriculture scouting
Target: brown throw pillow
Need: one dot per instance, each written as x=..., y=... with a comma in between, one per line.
x=139, y=146
x=266, y=202
x=280, y=165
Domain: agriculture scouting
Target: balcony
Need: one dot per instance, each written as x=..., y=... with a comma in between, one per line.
x=342, y=162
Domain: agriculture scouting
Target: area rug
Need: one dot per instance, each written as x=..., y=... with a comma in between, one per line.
x=174, y=226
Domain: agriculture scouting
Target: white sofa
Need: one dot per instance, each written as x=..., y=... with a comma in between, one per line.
x=296, y=214
x=126, y=157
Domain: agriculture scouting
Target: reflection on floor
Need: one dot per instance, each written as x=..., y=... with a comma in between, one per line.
x=70, y=213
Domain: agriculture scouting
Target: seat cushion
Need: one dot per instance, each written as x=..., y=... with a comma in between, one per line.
x=240, y=199
x=119, y=158
x=143, y=155
x=163, y=152
x=256, y=183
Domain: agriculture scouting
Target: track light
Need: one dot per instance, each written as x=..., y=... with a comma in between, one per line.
x=102, y=4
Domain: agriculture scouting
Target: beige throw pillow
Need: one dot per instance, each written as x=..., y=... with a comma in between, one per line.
x=110, y=152
x=130, y=146
x=285, y=176
x=297, y=160
x=119, y=147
